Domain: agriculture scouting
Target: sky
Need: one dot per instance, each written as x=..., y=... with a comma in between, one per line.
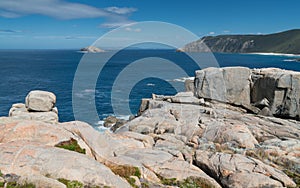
x=73, y=24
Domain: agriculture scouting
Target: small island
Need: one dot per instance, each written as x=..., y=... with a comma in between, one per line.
x=91, y=49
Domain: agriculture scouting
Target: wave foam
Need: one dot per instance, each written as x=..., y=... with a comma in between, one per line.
x=183, y=79
x=277, y=54
x=290, y=60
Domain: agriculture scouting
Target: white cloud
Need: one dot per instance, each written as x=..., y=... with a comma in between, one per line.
x=211, y=33
x=64, y=37
x=113, y=23
x=9, y=31
x=137, y=30
x=62, y=9
x=124, y=10
x=226, y=31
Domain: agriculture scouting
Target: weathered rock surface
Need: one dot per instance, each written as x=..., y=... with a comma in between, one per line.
x=31, y=159
x=181, y=128
x=234, y=170
x=277, y=89
x=230, y=85
x=179, y=140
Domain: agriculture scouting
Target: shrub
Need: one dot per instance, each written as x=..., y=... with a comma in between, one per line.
x=71, y=184
x=71, y=145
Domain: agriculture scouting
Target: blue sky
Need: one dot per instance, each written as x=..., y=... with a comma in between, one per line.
x=71, y=24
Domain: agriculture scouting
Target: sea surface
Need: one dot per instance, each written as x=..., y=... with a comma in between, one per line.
x=53, y=70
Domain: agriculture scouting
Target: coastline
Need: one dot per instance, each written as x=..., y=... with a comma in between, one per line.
x=274, y=54
x=179, y=140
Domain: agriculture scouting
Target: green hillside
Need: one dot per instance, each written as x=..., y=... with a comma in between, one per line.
x=283, y=42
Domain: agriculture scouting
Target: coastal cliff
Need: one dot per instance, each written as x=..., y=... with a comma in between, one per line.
x=220, y=133
x=287, y=42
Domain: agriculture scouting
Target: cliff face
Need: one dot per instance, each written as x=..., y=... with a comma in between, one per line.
x=274, y=91
x=284, y=42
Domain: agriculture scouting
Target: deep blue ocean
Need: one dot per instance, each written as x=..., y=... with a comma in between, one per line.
x=53, y=70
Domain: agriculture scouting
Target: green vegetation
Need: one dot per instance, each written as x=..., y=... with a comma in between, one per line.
x=145, y=185
x=283, y=42
x=71, y=184
x=259, y=154
x=223, y=149
x=293, y=175
x=131, y=181
x=190, y=182
x=1, y=174
x=126, y=171
x=195, y=182
x=168, y=181
x=16, y=185
x=71, y=145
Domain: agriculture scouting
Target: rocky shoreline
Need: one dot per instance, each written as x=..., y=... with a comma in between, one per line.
x=234, y=127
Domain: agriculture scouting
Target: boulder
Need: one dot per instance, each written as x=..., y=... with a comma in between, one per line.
x=40, y=101
x=230, y=85
x=277, y=89
x=110, y=121
x=280, y=87
x=39, y=107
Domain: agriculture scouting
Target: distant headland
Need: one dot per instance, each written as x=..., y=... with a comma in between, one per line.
x=287, y=42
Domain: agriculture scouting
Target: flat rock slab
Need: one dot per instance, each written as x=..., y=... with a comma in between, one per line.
x=33, y=159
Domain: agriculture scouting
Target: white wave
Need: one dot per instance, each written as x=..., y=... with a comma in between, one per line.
x=277, y=54
x=99, y=125
x=290, y=60
x=150, y=84
x=125, y=117
x=101, y=122
x=82, y=52
x=101, y=128
x=89, y=91
x=183, y=79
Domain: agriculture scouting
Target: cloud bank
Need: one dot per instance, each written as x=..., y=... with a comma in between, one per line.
x=62, y=9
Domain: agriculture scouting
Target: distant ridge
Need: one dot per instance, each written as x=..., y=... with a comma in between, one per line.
x=287, y=42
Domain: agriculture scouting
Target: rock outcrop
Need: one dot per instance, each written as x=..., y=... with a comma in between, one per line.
x=193, y=139
x=270, y=90
x=39, y=105
x=196, y=131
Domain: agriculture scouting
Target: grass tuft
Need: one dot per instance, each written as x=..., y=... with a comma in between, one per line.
x=71, y=145
x=71, y=184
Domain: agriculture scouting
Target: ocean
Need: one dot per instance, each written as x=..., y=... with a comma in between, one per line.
x=53, y=70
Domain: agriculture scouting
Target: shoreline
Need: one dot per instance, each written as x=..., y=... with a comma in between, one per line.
x=274, y=54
